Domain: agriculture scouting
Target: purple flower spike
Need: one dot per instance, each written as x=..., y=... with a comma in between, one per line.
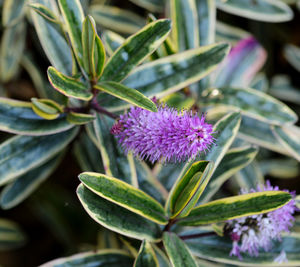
x=251, y=233
x=166, y=135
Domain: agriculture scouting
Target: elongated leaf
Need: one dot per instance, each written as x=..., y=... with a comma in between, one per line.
x=11, y=50
x=244, y=60
x=235, y=207
x=18, y=117
x=206, y=10
x=67, y=85
x=229, y=33
x=46, y=108
x=12, y=12
x=112, y=41
x=116, y=19
x=177, y=251
x=146, y=256
x=45, y=12
x=11, y=236
x=163, y=260
x=79, y=118
x=252, y=103
x=261, y=10
x=188, y=188
x=52, y=40
x=124, y=195
x=234, y=160
x=289, y=138
x=127, y=94
x=73, y=17
x=185, y=30
x=217, y=248
x=102, y=258
x=135, y=49
x=20, y=154
x=151, y=5
x=117, y=218
x=23, y=186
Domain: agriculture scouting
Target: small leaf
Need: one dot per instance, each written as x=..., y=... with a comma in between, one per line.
x=21, y=153
x=68, y=86
x=292, y=54
x=146, y=256
x=46, y=108
x=99, y=55
x=135, y=49
x=19, y=118
x=11, y=236
x=127, y=94
x=124, y=195
x=73, y=17
x=112, y=41
x=79, y=118
x=151, y=5
x=101, y=258
x=229, y=33
x=188, y=188
x=261, y=10
x=117, y=19
x=117, y=218
x=252, y=103
x=235, y=207
x=177, y=251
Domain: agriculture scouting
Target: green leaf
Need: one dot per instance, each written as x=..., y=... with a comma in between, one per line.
x=289, y=138
x=170, y=74
x=117, y=19
x=45, y=12
x=124, y=195
x=93, y=49
x=20, y=154
x=127, y=94
x=117, y=218
x=12, y=12
x=188, y=188
x=80, y=118
x=52, y=39
x=135, y=49
x=163, y=260
x=146, y=256
x=260, y=133
x=261, y=10
x=11, y=236
x=206, y=10
x=217, y=248
x=112, y=41
x=73, y=17
x=234, y=160
x=101, y=258
x=16, y=192
x=177, y=251
x=230, y=34
x=11, y=50
x=68, y=86
x=19, y=118
x=235, y=207
x=151, y=5
x=252, y=103
x=46, y=108
x=185, y=30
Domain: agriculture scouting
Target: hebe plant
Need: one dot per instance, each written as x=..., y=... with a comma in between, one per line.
x=163, y=212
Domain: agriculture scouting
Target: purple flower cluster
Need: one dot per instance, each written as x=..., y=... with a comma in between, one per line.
x=251, y=233
x=166, y=135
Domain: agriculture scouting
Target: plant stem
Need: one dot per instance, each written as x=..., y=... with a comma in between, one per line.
x=184, y=237
x=96, y=106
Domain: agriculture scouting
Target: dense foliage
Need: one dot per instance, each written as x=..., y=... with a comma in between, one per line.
x=172, y=122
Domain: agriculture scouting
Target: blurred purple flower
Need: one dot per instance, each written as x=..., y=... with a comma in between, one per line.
x=251, y=233
x=166, y=135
